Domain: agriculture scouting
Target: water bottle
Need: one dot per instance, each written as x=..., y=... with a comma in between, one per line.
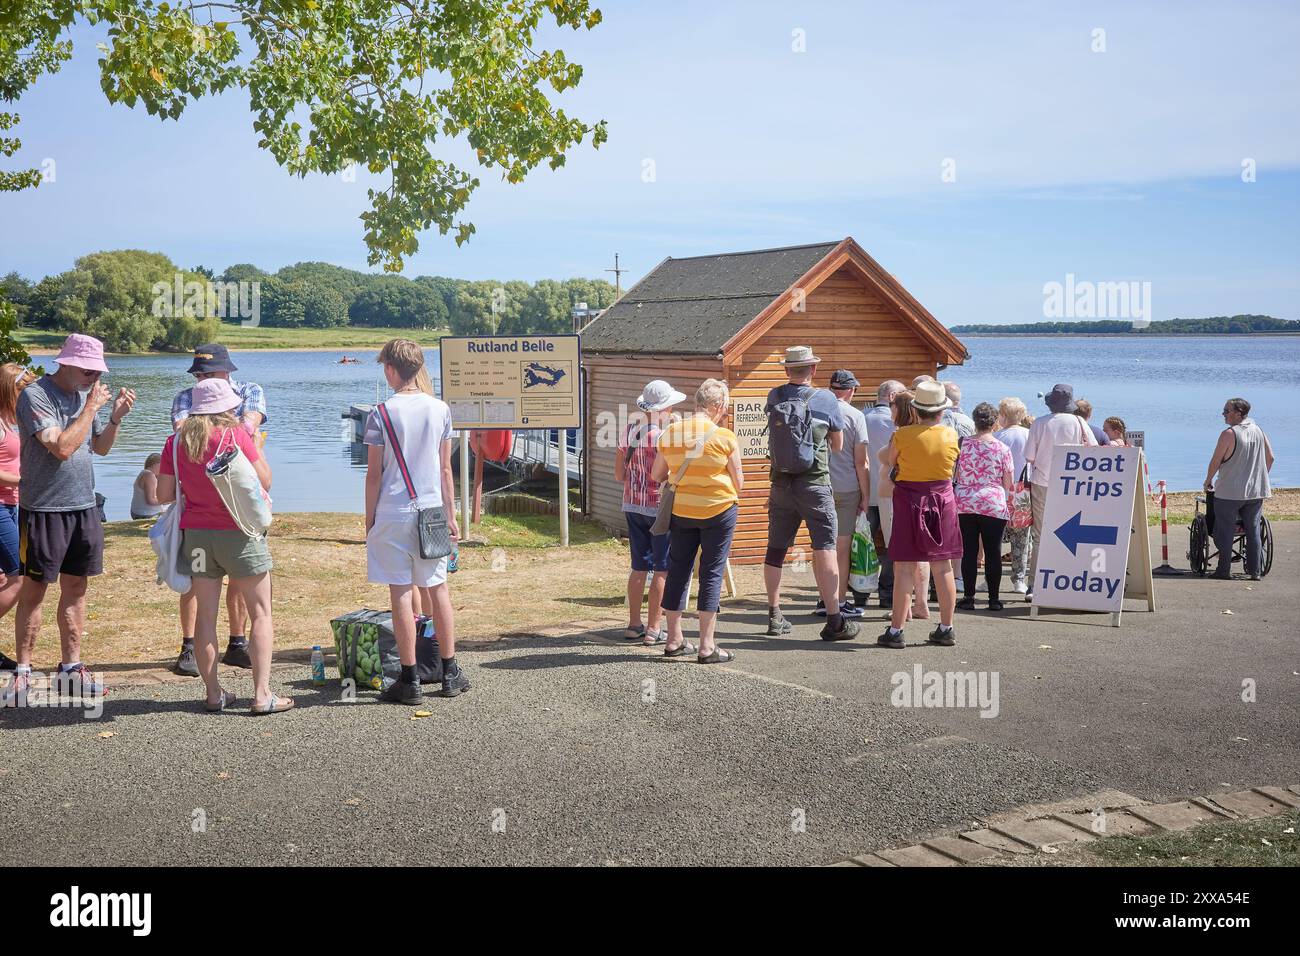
x=453, y=563
x=317, y=666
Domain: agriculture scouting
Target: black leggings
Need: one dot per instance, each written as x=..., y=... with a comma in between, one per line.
x=973, y=528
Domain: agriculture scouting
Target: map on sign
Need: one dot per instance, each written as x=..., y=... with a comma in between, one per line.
x=536, y=374
x=508, y=381
x=1090, y=519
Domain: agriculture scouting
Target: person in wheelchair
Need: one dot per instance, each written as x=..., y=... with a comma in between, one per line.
x=1242, y=460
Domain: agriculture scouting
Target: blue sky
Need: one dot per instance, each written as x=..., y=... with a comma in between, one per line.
x=1115, y=165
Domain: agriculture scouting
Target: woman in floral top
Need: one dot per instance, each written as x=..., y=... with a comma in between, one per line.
x=981, y=480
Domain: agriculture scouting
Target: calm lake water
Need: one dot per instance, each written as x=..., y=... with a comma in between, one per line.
x=1173, y=388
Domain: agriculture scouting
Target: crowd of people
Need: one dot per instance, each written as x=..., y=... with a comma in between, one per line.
x=935, y=483
x=51, y=530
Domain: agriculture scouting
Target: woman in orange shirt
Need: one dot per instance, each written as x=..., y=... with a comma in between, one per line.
x=925, y=512
x=705, y=502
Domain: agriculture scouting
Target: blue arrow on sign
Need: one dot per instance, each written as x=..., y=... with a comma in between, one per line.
x=1074, y=533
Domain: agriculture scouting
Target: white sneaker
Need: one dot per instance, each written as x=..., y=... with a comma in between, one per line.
x=961, y=587
x=1020, y=587
x=982, y=586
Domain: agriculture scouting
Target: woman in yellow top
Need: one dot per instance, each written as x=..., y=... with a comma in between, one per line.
x=925, y=512
x=705, y=503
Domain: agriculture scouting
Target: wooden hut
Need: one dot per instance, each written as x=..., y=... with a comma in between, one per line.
x=731, y=317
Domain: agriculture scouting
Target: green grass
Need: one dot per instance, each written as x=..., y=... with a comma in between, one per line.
x=535, y=531
x=238, y=337
x=1262, y=842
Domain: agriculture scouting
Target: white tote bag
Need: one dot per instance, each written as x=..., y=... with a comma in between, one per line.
x=232, y=474
x=165, y=538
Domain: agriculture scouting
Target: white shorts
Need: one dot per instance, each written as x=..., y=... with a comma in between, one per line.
x=393, y=554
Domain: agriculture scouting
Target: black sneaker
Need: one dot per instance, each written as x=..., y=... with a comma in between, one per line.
x=237, y=655
x=776, y=626
x=820, y=609
x=400, y=692
x=966, y=604
x=891, y=640
x=847, y=632
x=454, y=683
x=941, y=637
x=8, y=663
x=185, y=664
x=885, y=600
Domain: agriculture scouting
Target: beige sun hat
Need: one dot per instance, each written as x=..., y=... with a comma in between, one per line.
x=931, y=397
x=797, y=355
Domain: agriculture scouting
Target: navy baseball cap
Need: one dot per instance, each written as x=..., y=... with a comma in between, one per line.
x=843, y=378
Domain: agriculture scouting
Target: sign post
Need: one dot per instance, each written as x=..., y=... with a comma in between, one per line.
x=518, y=382
x=1094, y=510
x=464, y=483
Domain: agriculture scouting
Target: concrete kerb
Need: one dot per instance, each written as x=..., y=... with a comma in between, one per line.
x=1047, y=828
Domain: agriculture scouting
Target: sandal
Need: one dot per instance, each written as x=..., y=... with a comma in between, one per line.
x=631, y=633
x=660, y=637
x=227, y=700
x=717, y=657
x=276, y=705
x=685, y=648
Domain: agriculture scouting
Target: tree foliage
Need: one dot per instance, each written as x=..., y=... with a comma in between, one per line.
x=128, y=299
x=382, y=84
x=1214, y=325
x=116, y=296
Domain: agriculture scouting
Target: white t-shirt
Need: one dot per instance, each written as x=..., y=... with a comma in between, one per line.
x=422, y=424
x=1048, y=431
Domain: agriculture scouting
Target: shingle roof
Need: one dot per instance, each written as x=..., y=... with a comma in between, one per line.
x=693, y=306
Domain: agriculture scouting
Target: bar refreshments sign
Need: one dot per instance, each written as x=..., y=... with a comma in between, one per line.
x=749, y=422
x=507, y=381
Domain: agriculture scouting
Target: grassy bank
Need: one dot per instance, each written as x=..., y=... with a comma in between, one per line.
x=40, y=342
x=513, y=579
x=1269, y=841
x=1283, y=506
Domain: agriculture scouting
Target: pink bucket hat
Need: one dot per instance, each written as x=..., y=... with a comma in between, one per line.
x=213, y=396
x=82, y=351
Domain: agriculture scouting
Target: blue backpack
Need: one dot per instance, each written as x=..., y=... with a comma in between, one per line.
x=790, y=440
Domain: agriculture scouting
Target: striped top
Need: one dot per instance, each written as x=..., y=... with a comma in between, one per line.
x=706, y=490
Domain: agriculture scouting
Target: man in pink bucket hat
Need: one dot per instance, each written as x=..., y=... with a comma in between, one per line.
x=60, y=533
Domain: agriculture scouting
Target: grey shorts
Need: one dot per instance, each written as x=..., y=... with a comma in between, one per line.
x=217, y=553
x=846, y=511
x=790, y=503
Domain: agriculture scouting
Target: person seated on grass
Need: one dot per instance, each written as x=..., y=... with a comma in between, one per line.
x=214, y=544
x=144, y=491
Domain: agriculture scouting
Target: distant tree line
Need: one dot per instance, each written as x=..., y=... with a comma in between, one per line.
x=1216, y=325
x=118, y=297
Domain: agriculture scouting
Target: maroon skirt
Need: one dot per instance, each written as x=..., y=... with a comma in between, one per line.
x=925, y=522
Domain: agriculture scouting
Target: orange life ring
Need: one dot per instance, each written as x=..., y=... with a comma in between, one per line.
x=492, y=444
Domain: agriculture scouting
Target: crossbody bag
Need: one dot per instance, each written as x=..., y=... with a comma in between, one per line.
x=435, y=538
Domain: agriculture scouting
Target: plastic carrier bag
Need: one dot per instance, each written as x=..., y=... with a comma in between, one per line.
x=864, y=563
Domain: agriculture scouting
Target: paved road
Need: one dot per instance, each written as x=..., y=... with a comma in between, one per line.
x=563, y=753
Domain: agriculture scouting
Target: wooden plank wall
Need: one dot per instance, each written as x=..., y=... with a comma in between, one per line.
x=848, y=326
x=617, y=380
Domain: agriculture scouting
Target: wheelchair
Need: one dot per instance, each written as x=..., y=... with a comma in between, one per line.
x=1201, y=552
